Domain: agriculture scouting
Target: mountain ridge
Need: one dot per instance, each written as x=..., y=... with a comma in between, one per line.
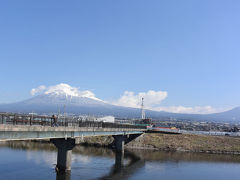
x=79, y=105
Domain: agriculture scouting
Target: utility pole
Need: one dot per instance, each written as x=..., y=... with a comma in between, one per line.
x=64, y=109
x=142, y=110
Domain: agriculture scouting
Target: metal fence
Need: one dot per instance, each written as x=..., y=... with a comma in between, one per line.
x=68, y=121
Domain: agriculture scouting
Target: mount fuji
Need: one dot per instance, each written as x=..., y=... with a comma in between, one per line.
x=64, y=98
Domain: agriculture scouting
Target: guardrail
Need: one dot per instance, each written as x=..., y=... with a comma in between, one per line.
x=31, y=120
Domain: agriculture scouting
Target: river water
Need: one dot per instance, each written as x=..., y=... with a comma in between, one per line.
x=31, y=160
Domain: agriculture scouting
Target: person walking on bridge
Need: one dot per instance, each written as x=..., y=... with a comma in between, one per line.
x=54, y=119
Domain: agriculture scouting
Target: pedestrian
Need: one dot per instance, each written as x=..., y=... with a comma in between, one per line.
x=54, y=118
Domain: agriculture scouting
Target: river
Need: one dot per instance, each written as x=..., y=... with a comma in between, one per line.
x=33, y=160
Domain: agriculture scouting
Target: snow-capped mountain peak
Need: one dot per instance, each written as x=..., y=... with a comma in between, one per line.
x=69, y=92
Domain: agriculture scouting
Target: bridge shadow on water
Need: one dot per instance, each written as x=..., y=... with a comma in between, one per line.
x=123, y=166
x=119, y=171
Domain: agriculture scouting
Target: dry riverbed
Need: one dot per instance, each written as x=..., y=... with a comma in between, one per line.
x=175, y=142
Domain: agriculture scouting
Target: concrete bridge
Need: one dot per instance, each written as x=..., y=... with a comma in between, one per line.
x=63, y=132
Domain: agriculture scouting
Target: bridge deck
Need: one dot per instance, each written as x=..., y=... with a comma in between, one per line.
x=21, y=132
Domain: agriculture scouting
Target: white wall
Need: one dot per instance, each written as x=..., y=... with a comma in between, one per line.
x=106, y=119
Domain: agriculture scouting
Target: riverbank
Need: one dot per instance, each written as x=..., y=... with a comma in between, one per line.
x=174, y=142
x=162, y=142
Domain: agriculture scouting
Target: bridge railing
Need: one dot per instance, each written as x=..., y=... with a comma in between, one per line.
x=32, y=120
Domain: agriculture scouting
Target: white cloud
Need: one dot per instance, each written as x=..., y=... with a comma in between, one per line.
x=190, y=110
x=37, y=90
x=151, y=99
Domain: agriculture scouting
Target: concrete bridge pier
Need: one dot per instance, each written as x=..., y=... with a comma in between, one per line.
x=119, y=141
x=64, y=156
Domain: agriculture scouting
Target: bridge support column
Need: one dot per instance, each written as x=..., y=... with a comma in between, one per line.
x=119, y=143
x=64, y=156
x=119, y=158
x=120, y=140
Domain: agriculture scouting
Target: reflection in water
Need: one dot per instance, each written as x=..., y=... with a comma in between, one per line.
x=87, y=152
x=119, y=170
x=102, y=163
x=60, y=175
x=161, y=156
x=122, y=171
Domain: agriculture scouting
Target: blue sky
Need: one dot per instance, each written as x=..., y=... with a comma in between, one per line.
x=189, y=49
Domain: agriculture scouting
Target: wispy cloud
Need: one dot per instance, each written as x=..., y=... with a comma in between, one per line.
x=37, y=90
x=191, y=110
